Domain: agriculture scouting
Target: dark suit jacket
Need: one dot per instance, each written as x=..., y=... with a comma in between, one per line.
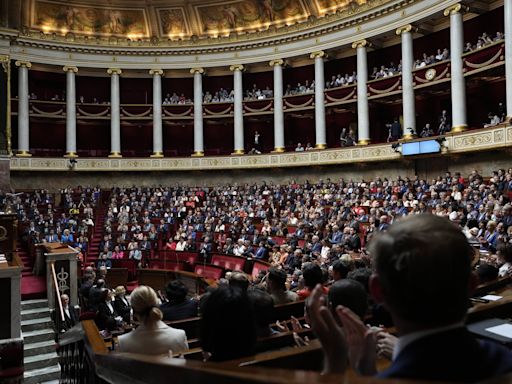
x=122, y=309
x=105, y=317
x=451, y=356
x=174, y=312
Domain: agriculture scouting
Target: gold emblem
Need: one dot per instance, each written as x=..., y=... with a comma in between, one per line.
x=430, y=74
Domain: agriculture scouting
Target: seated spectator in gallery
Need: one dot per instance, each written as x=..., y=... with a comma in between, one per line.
x=152, y=336
x=178, y=306
x=427, y=131
x=494, y=120
x=309, y=147
x=430, y=321
x=67, y=237
x=52, y=237
x=136, y=254
x=103, y=261
x=276, y=286
x=228, y=324
x=299, y=148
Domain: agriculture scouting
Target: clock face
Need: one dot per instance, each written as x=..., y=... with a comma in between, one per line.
x=430, y=74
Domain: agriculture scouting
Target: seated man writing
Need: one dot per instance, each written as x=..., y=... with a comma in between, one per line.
x=423, y=277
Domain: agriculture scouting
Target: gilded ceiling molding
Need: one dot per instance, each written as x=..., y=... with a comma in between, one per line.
x=308, y=29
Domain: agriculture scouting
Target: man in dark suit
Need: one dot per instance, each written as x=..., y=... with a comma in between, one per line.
x=70, y=314
x=423, y=277
x=178, y=307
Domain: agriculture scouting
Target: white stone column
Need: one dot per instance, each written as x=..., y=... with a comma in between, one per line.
x=157, y=113
x=238, y=109
x=278, y=105
x=508, y=55
x=408, y=99
x=23, y=109
x=363, y=114
x=321, y=142
x=70, y=111
x=198, y=111
x=115, y=114
x=458, y=84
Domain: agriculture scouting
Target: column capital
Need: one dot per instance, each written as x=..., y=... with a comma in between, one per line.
x=404, y=29
x=114, y=71
x=21, y=63
x=68, y=68
x=455, y=8
x=275, y=62
x=360, y=44
x=236, y=67
x=154, y=72
x=196, y=70
x=316, y=54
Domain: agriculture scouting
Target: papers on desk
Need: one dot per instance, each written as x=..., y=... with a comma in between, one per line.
x=492, y=297
x=504, y=330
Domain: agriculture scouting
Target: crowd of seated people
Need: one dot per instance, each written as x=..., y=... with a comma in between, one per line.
x=256, y=93
x=221, y=96
x=300, y=89
x=175, y=99
x=483, y=40
x=41, y=220
x=322, y=240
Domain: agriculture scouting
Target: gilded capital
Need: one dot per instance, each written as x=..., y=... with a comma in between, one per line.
x=4, y=58
x=158, y=72
x=114, y=71
x=360, y=44
x=404, y=29
x=21, y=63
x=275, y=62
x=197, y=70
x=68, y=68
x=237, y=67
x=452, y=9
x=316, y=54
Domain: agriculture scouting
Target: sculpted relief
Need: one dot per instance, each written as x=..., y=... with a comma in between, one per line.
x=59, y=16
x=246, y=14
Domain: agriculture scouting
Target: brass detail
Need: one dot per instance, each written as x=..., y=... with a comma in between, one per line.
x=278, y=150
x=236, y=67
x=198, y=154
x=405, y=28
x=275, y=62
x=196, y=70
x=114, y=71
x=115, y=155
x=153, y=72
x=238, y=152
x=453, y=9
x=70, y=155
x=360, y=43
x=320, y=146
x=67, y=68
x=157, y=155
x=363, y=142
x=316, y=54
x=23, y=154
x=458, y=128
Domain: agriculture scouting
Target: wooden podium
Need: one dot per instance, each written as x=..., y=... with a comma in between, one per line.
x=63, y=260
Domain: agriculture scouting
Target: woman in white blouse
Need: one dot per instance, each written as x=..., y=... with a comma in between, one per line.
x=152, y=336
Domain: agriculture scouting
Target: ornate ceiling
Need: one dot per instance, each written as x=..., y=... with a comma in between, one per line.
x=178, y=19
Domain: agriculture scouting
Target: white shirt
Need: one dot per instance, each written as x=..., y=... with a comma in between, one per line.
x=156, y=340
x=503, y=269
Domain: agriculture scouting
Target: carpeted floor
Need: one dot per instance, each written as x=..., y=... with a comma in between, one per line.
x=33, y=287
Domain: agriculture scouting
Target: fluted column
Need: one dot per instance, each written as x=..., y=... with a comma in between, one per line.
x=508, y=55
x=70, y=111
x=321, y=142
x=238, y=109
x=157, y=113
x=23, y=112
x=408, y=99
x=198, y=111
x=278, y=105
x=115, y=116
x=458, y=84
x=363, y=114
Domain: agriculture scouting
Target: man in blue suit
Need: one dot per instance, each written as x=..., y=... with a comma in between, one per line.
x=423, y=278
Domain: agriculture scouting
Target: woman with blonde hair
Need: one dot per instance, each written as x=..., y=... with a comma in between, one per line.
x=152, y=336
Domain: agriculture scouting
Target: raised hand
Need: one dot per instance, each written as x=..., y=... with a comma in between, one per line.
x=329, y=333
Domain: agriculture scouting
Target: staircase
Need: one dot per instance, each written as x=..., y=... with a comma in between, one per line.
x=40, y=357
x=94, y=244
x=32, y=287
